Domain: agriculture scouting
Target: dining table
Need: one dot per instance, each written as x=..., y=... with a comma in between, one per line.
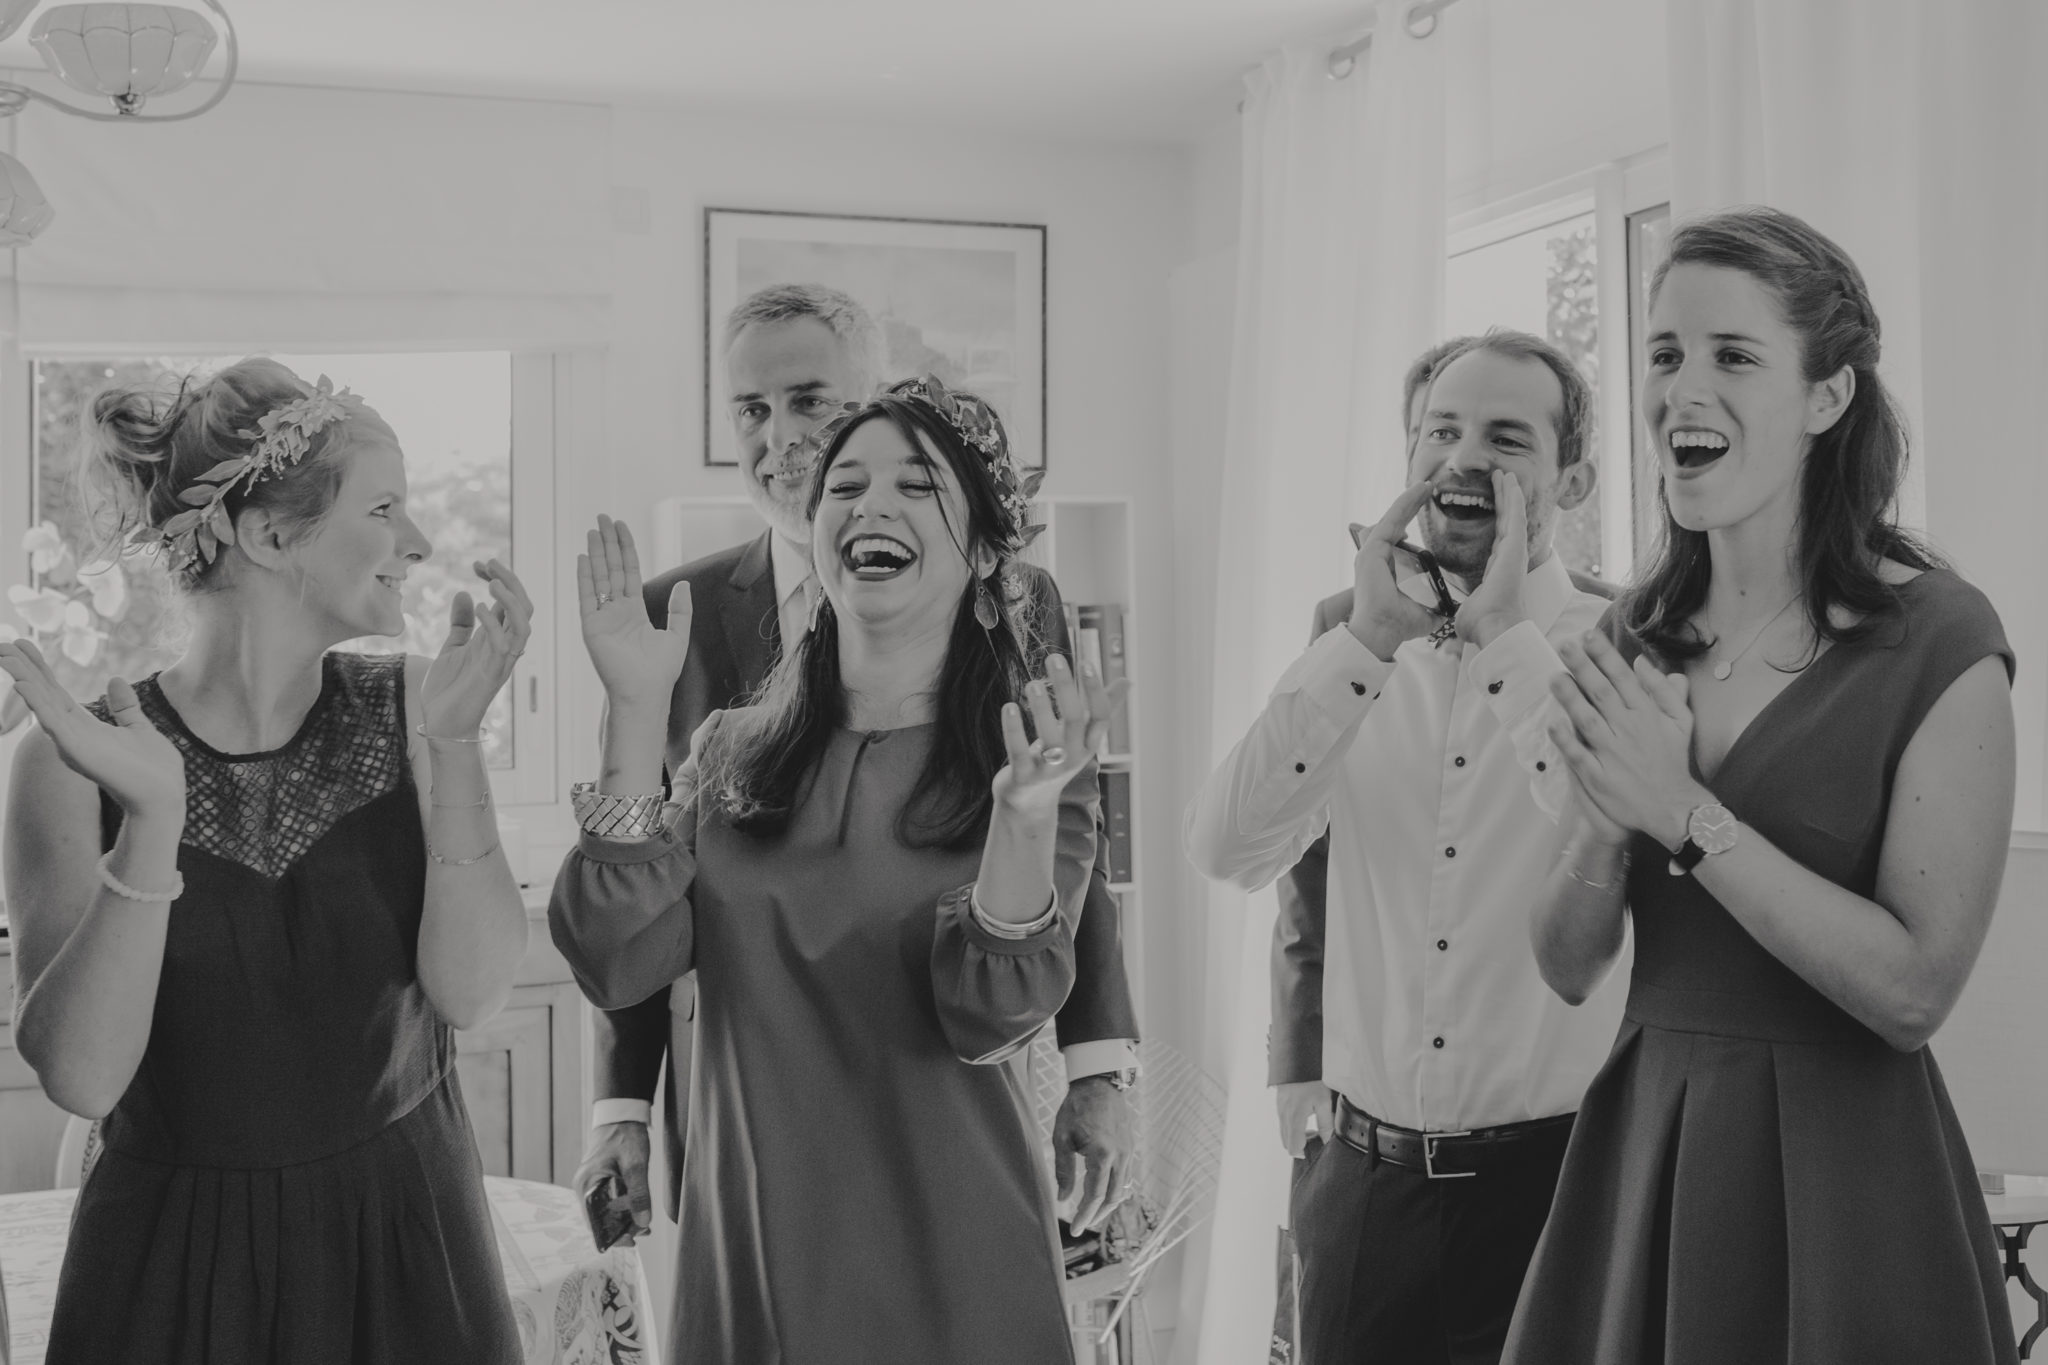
x=574, y=1304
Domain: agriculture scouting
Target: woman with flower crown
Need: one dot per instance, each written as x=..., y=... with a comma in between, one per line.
x=252, y=898
x=876, y=876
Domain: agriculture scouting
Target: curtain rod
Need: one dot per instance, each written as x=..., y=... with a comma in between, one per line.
x=1420, y=20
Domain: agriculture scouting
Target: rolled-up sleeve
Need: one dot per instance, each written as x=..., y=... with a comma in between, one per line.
x=995, y=993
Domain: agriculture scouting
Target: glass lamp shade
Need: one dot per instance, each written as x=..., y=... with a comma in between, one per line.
x=12, y=12
x=24, y=211
x=125, y=52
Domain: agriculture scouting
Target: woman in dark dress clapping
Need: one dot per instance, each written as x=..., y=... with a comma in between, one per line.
x=301, y=895
x=1793, y=764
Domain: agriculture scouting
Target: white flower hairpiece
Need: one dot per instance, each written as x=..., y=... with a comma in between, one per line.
x=282, y=437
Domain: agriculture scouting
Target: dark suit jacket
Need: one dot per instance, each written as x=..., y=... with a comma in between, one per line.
x=735, y=639
x=1294, y=1043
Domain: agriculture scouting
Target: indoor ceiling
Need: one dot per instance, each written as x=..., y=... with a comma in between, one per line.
x=1125, y=69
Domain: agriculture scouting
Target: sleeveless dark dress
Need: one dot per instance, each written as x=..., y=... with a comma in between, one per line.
x=291, y=1175
x=1755, y=1176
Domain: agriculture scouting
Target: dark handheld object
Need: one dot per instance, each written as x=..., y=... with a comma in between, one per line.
x=610, y=1213
x=1445, y=607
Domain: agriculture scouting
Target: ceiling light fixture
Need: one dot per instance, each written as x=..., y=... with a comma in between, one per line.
x=128, y=54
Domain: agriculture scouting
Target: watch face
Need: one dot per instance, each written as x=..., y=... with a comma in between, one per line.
x=1713, y=828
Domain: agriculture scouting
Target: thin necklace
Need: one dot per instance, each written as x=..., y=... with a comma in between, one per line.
x=1726, y=666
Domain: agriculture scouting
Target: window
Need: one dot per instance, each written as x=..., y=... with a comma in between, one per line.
x=1571, y=262
x=478, y=434
x=1543, y=281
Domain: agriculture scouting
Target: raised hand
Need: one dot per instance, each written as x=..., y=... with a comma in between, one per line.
x=637, y=662
x=1382, y=616
x=1626, y=735
x=1496, y=604
x=1040, y=768
x=476, y=659
x=130, y=760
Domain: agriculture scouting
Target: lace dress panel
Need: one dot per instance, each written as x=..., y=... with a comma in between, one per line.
x=264, y=811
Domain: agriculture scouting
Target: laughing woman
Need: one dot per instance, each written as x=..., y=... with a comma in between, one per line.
x=300, y=896
x=876, y=877
x=1793, y=765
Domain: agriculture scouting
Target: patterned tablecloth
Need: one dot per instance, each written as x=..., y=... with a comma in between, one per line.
x=575, y=1307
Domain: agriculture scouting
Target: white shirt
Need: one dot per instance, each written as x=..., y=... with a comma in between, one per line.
x=789, y=569
x=1434, y=1014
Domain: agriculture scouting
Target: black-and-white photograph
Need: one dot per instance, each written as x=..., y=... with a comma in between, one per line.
x=1250, y=682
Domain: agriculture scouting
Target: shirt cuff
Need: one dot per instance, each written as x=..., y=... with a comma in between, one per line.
x=1100, y=1058
x=621, y=1111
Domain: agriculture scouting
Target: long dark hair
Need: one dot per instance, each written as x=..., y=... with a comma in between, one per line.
x=756, y=774
x=1849, y=479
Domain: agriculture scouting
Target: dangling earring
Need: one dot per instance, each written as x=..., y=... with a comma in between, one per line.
x=985, y=606
x=817, y=612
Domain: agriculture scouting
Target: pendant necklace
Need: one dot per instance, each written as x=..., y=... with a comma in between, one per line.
x=1726, y=666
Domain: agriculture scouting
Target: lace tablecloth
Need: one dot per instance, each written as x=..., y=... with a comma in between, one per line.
x=574, y=1306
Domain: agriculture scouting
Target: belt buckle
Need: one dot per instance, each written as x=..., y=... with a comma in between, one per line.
x=1429, y=1169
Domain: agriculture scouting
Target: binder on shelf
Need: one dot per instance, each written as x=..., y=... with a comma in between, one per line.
x=1116, y=820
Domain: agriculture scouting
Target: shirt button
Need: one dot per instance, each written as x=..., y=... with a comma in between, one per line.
x=1459, y=760
x=1301, y=767
x=1443, y=945
x=1450, y=853
x=1436, y=1042
x=1358, y=688
x=1493, y=687
x=1541, y=765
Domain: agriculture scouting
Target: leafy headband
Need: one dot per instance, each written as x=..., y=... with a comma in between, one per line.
x=978, y=427
x=282, y=437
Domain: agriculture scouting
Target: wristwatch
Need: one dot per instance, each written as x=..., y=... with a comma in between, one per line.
x=1710, y=828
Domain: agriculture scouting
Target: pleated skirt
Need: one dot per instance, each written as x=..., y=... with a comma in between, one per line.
x=380, y=1254
x=1742, y=1199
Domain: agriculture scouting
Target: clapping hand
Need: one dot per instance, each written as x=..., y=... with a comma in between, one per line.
x=476, y=659
x=1040, y=768
x=1382, y=616
x=1626, y=736
x=637, y=661
x=130, y=759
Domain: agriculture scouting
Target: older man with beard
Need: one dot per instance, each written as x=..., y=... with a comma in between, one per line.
x=1411, y=736
x=792, y=355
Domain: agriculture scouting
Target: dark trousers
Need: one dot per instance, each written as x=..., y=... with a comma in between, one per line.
x=1399, y=1269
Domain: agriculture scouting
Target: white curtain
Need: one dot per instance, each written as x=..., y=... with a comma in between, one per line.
x=1339, y=286
x=1912, y=134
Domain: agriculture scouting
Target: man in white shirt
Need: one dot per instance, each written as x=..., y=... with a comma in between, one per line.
x=1414, y=735
x=793, y=355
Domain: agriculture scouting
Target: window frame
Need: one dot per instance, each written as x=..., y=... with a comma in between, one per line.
x=540, y=382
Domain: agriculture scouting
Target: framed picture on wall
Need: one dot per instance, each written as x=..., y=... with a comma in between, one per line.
x=964, y=301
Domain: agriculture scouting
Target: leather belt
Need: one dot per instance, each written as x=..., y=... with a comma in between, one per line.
x=1449, y=1156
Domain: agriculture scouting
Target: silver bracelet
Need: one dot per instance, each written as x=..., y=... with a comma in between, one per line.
x=435, y=854
x=421, y=731
x=484, y=804
x=127, y=892
x=1573, y=869
x=611, y=816
x=1004, y=930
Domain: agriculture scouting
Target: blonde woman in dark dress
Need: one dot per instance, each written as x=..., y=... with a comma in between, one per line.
x=252, y=898
x=1791, y=763
x=876, y=876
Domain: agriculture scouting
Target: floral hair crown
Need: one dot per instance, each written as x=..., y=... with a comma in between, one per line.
x=978, y=427
x=282, y=437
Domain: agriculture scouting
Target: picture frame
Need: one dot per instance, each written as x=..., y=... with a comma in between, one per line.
x=964, y=300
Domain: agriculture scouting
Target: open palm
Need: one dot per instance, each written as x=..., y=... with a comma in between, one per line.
x=1040, y=769
x=130, y=760
x=637, y=661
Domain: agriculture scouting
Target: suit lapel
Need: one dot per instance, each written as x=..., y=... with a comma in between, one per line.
x=747, y=612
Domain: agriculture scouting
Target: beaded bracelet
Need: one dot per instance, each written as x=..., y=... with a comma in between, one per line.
x=122, y=889
x=435, y=854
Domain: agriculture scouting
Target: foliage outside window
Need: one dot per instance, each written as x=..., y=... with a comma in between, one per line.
x=96, y=617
